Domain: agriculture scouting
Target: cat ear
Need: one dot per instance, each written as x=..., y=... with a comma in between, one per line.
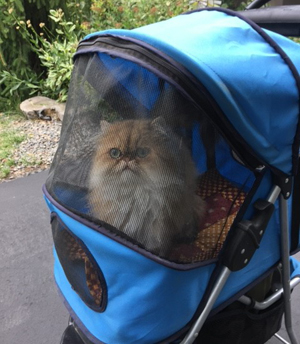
x=104, y=125
x=159, y=121
x=160, y=125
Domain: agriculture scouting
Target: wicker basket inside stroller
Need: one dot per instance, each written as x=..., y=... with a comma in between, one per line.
x=177, y=140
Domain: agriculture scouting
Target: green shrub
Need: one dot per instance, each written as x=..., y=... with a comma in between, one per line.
x=19, y=65
x=52, y=42
x=55, y=51
x=129, y=14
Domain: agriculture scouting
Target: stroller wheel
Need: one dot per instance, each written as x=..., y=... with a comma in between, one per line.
x=73, y=335
x=70, y=336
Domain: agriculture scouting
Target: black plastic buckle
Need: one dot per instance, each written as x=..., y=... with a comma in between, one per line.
x=285, y=183
x=246, y=236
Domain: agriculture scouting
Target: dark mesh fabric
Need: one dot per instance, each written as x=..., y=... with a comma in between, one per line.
x=139, y=158
x=83, y=273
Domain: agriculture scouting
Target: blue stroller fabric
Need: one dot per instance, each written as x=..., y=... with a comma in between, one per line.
x=237, y=55
x=252, y=76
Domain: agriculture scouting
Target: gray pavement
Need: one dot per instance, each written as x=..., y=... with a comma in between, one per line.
x=30, y=310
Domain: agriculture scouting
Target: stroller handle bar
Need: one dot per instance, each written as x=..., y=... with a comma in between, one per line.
x=284, y=20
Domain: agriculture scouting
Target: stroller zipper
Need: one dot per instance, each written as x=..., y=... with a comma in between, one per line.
x=170, y=70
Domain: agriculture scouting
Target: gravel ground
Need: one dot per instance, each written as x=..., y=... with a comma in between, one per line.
x=36, y=152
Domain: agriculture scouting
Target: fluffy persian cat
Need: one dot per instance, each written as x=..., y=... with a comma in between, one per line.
x=143, y=182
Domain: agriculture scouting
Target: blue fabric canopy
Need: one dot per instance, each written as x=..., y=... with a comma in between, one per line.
x=251, y=73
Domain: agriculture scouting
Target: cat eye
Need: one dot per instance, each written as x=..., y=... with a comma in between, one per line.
x=115, y=153
x=142, y=152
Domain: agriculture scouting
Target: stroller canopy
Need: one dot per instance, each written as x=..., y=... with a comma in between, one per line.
x=251, y=73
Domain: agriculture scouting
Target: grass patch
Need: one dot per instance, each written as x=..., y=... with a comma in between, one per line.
x=9, y=141
x=30, y=161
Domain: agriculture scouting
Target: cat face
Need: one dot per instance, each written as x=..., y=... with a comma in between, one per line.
x=131, y=149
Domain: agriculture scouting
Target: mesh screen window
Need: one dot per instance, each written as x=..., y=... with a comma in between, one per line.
x=141, y=160
x=79, y=266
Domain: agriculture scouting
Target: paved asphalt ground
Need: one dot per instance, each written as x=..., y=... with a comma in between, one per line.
x=30, y=310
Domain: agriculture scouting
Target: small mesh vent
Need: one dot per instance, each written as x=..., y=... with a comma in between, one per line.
x=136, y=156
x=83, y=274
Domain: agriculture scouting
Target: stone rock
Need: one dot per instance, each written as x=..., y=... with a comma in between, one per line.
x=42, y=108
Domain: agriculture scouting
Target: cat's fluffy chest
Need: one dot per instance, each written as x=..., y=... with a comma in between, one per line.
x=130, y=203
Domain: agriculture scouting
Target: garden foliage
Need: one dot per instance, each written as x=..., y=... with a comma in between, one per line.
x=38, y=38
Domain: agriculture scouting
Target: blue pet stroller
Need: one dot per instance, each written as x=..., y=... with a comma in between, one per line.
x=174, y=193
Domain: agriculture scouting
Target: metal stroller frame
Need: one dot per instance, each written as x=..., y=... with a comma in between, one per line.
x=285, y=290
x=287, y=23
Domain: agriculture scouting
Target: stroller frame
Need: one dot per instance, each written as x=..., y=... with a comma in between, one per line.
x=261, y=16
x=285, y=291
x=281, y=191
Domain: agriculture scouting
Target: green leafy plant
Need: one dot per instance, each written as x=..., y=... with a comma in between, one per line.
x=39, y=60
x=16, y=55
x=55, y=54
x=236, y=5
x=54, y=46
x=295, y=39
x=54, y=50
x=129, y=14
x=15, y=90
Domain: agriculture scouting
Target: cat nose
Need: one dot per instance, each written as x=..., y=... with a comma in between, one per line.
x=127, y=159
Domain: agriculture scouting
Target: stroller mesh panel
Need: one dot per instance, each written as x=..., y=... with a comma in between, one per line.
x=223, y=201
x=140, y=159
x=85, y=277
